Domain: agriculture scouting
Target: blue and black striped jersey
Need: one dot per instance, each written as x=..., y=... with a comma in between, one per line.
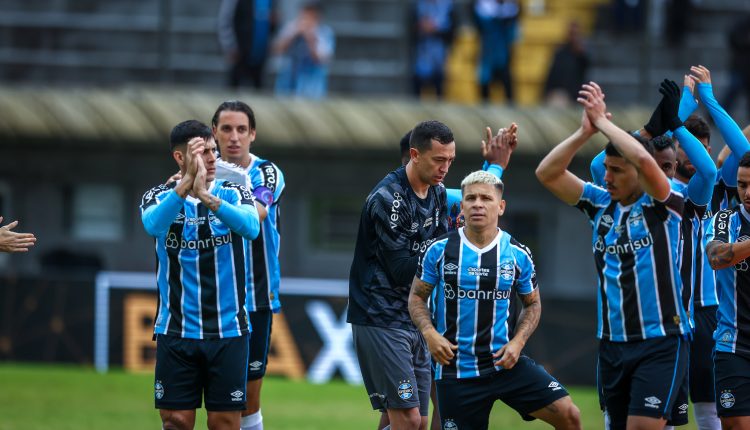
x=264, y=273
x=200, y=259
x=395, y=227
x=473, y=291
x=636, y=250
x=733, y=283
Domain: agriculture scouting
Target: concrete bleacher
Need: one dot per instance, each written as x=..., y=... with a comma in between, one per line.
x=168, y=41
x=631, y=72
x=543, y=26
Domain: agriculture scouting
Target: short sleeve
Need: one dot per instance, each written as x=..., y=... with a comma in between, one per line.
x=427, y=269
x=593, y=199
x=526, y=272
x=718, y=229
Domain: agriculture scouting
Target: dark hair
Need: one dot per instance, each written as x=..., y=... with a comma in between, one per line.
x=312, y=5
x=698, y=127
x=427, y=131
x=745, y=160
x=612, y=151
x=234, y=106
x=186, y=130
x=660, y=143
x=404, y=144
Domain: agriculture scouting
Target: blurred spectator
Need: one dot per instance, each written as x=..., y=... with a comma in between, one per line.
x=629, y=15
x=677, y=18
x=497, y=21
x=433, y=25
x=245, y=28
x=739, y=44
x=568, y=70
x=306, y=46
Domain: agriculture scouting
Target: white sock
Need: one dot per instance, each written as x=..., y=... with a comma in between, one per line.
x=252, y=422
x=705, y=416
x=606, y=420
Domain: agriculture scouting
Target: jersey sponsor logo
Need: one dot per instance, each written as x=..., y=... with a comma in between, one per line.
x=726, y=399
x=451, y=294
x=507, y=271
x=707, y=215
x=158, y=390
x=742, y=266
x=628, y=247
x=652, y=402
x=395, y=204
x=209, y=242
x=269, y=177
x=151, y=194
x=421, y=246
x=237, y=395
x=721, y=220
x=244, y=193
x=405, y=390
x=478, y=271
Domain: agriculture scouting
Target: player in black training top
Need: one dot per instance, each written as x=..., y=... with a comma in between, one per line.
x=403, y=214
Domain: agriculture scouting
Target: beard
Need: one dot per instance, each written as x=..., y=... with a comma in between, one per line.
x=684, y=171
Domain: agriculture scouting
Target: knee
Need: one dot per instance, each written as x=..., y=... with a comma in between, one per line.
x=572, y=417
x=176, y=422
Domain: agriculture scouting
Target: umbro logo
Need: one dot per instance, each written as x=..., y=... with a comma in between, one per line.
x=237, y=395
x=683, y=408
x=450, y=269
x=255, y=365
x=554, y=385
x=652, y=402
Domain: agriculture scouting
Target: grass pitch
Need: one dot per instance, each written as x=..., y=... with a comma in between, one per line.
x=67, y=397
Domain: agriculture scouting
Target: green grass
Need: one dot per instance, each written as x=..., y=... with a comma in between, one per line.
x=67, y=397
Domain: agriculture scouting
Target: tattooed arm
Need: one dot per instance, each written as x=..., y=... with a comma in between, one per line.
x=722, y=255
x=528, y=320
x=440, y=348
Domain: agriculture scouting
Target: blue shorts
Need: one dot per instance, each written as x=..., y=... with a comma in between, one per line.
x=260, y=340
x=732, y=376
x=188, y=369
x=641, y=378
x=467, y=403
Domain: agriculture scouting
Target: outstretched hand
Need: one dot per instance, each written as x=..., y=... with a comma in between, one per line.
x=700, y=74
x=591, y=97
x=670, y=104
x=10, y=241
x=497, y=149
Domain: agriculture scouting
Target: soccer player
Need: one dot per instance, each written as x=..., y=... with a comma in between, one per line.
x=201, y=328
x=636, y=234
x=11, y=241
x=474, y=271
x=496, y=151
x=403, y=214
x=728, y=250
x=233, y=125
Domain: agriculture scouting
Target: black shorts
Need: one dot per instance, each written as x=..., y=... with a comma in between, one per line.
x=701, y=363
x=641, y=378
x=466, y=403
x=680, y=410
x=187, y=369
x=732, y=375
x=260, y=340
x=395, y=366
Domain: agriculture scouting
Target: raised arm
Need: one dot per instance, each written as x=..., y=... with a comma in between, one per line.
x=653, y=179
x=553, y=171
x=701, y=184
x=11, y=241
x=728, y=128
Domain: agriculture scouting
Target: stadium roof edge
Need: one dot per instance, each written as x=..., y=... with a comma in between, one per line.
x=143, y=116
